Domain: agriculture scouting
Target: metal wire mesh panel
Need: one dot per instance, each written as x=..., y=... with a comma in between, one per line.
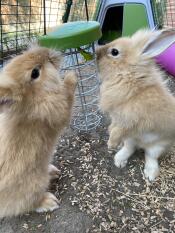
x=86, y=113
x=78, y=9
x=164, y=13
x=20, y=21
x=23, y=20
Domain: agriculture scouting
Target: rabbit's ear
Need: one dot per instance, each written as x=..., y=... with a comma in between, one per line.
x=159, y=41
x=141, y=37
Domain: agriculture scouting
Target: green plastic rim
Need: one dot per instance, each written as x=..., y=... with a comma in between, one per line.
x=72, y=35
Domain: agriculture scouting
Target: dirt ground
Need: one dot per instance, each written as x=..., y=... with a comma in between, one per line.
x=95, y=196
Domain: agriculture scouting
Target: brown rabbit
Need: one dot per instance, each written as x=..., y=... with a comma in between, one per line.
x=37, y=107
x=133, y=93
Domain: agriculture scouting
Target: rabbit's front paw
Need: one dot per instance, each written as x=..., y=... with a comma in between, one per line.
x=53, y=172
x=48, y=203
x=70, y=79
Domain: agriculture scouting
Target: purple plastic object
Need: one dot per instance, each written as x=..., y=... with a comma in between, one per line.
x=167, y=60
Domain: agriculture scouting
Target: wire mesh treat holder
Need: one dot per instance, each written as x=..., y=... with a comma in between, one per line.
x=86, y=115
x=76, y=40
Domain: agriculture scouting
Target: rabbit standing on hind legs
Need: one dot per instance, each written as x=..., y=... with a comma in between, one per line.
x=36, y=107
x=133, y=93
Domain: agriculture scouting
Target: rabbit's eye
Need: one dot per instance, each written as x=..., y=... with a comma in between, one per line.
x=35, y=73
x=114, y=52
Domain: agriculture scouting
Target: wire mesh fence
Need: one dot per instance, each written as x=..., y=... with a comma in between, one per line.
x=164, y=13
x=23, y=20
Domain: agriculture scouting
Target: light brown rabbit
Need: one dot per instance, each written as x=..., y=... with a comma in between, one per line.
x=37, y=107
x=133, y=93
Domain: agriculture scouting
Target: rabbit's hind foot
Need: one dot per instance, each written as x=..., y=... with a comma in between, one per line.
x=48, y=203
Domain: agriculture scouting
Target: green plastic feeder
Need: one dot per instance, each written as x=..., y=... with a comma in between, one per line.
x=76, y=40
x=72, y=35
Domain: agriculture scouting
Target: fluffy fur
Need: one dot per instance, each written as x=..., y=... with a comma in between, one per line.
x=34, y=113
x=133, y=93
